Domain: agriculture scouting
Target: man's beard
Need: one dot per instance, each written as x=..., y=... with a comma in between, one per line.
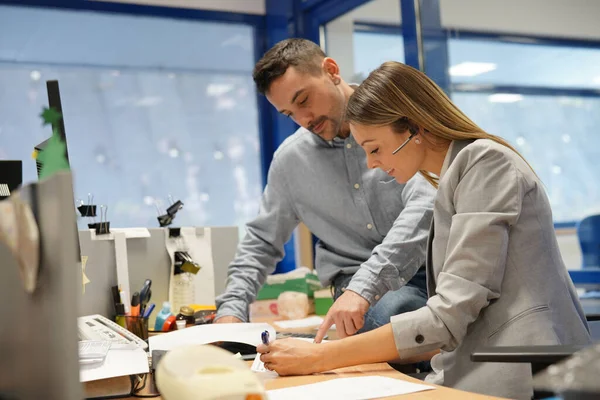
x=334, y=128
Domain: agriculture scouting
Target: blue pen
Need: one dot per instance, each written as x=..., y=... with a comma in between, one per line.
x=149, y=310
x=265, y=337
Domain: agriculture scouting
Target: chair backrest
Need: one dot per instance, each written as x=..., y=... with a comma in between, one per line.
x=588, y=232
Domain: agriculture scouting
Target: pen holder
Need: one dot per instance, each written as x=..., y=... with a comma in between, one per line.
x=137, y=325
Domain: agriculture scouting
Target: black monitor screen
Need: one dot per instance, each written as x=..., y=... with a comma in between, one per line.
x=55, y=103
x=11, y=176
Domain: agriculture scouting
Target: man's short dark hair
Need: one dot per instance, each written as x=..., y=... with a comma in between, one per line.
x=302, y=54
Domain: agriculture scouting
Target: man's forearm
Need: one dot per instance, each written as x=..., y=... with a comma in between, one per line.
x=233, y=308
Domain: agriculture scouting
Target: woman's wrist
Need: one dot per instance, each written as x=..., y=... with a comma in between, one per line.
x=328, y=356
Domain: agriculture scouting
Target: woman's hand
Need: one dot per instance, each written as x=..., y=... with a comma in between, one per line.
x=293, y=357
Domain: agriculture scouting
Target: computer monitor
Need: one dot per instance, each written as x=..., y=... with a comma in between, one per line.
x=11, y=176
x=38, y=331
x=55, y=103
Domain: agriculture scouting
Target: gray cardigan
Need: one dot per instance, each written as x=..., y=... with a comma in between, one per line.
x=495, y=274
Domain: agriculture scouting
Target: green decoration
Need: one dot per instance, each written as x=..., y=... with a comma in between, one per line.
x=53, y=156
x=50, y=116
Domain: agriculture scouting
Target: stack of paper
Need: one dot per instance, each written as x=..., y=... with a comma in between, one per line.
x=300, y=323
x=203, y=334
x=116, y=363
x=362, y=388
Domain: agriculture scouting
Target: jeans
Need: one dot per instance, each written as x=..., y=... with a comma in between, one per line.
x=410, y=297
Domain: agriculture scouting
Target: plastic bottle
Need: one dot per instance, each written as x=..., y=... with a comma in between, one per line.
x=162, y=316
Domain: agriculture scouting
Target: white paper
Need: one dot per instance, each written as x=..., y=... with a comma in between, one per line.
x=116, y=363
x=300, y=323
x=130, y=233
x=259, y=366
x=122, y=263
x=202, y=334
x=181, y=286
x=361, y=388
x=200, y=249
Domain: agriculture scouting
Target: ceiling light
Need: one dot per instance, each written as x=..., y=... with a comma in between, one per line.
x=520, y=141
x=505, y=98
x=35, y=75
x=556, y=169
x=566, y=138
x=471, y=68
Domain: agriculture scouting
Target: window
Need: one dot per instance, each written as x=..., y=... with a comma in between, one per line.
x=373, y=48
x=558, y=135
x=152, y=106
x=545, y=100
x=518, y=64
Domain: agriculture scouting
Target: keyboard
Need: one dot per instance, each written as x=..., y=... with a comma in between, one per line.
x=93, y=349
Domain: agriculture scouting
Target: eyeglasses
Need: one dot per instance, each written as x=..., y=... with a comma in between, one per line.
x=405, y=143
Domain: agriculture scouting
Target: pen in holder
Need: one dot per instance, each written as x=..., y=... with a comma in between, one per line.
x=137, y=325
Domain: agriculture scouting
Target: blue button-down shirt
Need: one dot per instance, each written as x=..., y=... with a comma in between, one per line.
x=368, y=224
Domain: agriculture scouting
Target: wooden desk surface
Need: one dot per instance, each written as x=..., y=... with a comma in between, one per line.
x=120, y=385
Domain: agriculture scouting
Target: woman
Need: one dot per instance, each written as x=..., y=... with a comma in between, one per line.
x=494, y=271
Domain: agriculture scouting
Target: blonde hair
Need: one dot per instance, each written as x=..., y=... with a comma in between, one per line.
x=406, y=99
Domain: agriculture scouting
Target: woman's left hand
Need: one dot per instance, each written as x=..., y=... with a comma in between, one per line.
x=293, y=357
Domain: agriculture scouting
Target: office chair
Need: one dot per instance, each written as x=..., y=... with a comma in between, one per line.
x=539, y=357
x=588, y=233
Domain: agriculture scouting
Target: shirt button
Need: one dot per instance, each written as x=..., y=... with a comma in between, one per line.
x=349, y=145
x=377, y=297
x=419, y=339
x=356, y=186
x=369, y=226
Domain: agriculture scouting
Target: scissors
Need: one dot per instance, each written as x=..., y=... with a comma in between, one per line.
x=145, y=295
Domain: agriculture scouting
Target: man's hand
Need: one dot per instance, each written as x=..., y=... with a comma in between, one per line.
x=348, y=315
x=228, y=319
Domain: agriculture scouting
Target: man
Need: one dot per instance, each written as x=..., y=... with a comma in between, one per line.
x=372, y=230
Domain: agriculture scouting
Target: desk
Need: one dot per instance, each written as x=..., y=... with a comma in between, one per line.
x=121, y=385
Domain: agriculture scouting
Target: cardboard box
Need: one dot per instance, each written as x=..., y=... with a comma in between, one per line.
x=263, y=309
x=266, y=310
x=323, y=301
x=307, y=284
